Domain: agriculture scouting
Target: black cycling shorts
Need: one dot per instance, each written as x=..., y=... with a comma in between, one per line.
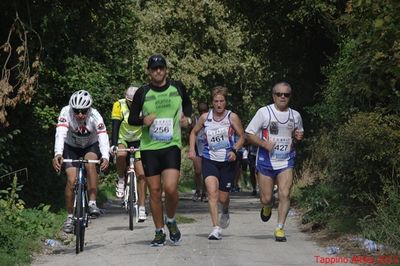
x=156, y=161
x=76, y=153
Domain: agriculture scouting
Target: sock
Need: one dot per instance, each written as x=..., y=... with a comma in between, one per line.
x=280, y=226
x=170, y=220
x=225, y=210
x=121, y=179
x=70, y=215
x=159, y=230
x=92, y=202
x=270, y=204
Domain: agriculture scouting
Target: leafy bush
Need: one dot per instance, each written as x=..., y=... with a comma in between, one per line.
x=383, y=225
x=365, y=148
x=21, y=228
x=348, y=169
x=320, y=201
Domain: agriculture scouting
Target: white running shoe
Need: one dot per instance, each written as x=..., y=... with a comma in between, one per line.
x=215, y=234
x=120, y=189
x=94, y=211
x=142, y=214
x=224, y=220
x=68, y=225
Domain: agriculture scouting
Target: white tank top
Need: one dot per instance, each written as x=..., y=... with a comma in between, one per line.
x=218, y=137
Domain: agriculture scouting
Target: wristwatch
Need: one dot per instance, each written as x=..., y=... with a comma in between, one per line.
x=234, y=151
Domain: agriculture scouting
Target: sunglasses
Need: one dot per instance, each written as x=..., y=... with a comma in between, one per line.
x=157, y=67
x=280, y=94
x=80, y=111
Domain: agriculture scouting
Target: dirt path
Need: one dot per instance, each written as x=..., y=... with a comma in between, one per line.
x=247, y=241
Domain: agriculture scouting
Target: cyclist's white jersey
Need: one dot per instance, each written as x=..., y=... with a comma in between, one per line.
x=274, y=125
x=218, y=137
x=81, y=134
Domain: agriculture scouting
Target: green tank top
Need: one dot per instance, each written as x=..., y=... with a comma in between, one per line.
x=165, y=130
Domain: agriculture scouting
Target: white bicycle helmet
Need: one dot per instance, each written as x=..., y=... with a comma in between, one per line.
x=80, y=100
x=130, y=92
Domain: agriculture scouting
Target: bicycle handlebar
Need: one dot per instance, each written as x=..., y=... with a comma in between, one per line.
x=131, y=149
x=81, y=161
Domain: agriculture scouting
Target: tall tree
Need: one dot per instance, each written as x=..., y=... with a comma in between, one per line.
x=205, y=45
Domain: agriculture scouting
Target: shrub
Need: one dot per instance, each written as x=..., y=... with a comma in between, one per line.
x=21, y=228
x=383, y=224
x=365, y=148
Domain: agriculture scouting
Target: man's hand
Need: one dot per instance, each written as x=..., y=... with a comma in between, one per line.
x=104, y=164
x=298, y=134
x=185, y=121
x=149, y=119
x=57, y=162
x=268, y=145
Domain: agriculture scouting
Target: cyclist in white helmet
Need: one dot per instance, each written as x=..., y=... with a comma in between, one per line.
x=80, y=132
x=125, y=136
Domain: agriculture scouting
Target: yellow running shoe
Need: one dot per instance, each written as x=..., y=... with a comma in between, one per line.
x=265, y=213
x=280, y=235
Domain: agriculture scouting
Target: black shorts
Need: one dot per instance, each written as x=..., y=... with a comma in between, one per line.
x=76, y=153
x=224, y=171
x=156, y=161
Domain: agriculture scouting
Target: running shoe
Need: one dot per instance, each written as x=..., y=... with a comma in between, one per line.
x=196, y=196
x=265, y=213
x=142, y=214
x=68, y=226
x=120, y=189
x=215, y=234
x=159, y=239
x=174, y=233
x=94, y=211
x=224, y=219
x=204, y=197
x=280, y=235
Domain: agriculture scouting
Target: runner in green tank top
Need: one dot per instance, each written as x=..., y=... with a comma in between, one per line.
x=163, y=107
x=165, y=131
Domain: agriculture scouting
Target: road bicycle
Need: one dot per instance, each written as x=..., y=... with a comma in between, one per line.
x=81, y=207
x=130, y=201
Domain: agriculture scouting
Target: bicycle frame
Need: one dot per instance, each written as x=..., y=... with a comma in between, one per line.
x=81, y=210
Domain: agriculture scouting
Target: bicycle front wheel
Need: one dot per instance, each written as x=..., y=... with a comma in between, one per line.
x=131, y=199
x=79, y=226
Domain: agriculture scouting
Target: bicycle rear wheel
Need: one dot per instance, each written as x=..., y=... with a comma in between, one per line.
x=131, y=200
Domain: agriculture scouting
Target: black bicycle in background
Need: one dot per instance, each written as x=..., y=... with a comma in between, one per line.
x=81, y=203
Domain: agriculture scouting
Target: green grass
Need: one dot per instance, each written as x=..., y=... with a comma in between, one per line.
x=22, y=232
